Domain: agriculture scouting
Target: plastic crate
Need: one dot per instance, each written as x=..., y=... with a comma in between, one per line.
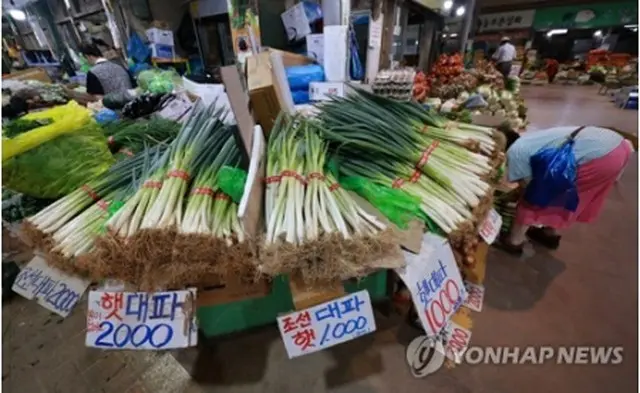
x=246, y=314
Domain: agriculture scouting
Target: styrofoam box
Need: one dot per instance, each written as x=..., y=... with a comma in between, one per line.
x=315, y=47
x=162, y=51
x=336, y=53
x=159, y=36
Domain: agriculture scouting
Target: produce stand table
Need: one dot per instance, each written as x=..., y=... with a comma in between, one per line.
x=245, y=314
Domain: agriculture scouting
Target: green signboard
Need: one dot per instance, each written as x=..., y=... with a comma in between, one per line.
x=586, y=16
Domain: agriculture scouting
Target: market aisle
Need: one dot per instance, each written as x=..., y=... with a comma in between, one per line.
x=582, y=294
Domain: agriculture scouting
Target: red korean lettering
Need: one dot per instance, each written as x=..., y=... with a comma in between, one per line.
x=112, y=303
x=304, y=319
x=305, y=338
x=288, y=324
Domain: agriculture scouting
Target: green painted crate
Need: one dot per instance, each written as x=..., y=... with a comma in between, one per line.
x=245, y=314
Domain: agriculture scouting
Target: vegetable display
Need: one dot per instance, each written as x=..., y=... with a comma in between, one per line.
x=400, y=145
x=314, y=227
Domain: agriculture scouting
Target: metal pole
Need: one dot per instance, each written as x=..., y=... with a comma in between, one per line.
x=468, y=22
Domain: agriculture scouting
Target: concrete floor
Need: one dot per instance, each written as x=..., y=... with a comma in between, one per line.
x=585, y=293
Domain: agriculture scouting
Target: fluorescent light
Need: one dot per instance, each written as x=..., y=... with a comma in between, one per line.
x=460, y=11
x=630, y=26
x=454, y=35
x=597, y=33
x=17, y=14
x=556, y=32
x=447, y=5
x=444, y=36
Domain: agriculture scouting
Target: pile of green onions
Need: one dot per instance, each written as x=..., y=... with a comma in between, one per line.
x=305, y=209
x=444, y=163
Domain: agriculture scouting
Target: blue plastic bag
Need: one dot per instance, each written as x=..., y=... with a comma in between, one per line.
x=300, y=96
x=554, y=172
x=105, y=116
x=299, y=77
x=136, y=49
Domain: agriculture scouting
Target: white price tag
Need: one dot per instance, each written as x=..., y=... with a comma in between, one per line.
x=476, y=297
x=435, y=283
x=53, y=289
x=140, y=320
x=490, y=228
x=327, y=324
x=457, y=341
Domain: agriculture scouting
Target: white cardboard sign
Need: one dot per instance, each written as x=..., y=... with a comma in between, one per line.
x=435, y=283
x=327, y=324
x=53, y=289
x=457, y=341
x=476, y=297
x=140, y=320
x=490, y=227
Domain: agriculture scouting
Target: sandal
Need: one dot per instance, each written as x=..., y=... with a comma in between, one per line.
x=541, y=236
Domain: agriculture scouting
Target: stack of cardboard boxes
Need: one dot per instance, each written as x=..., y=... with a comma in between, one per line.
x=161, y=43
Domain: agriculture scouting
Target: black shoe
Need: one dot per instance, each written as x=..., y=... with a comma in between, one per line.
x=539, y=235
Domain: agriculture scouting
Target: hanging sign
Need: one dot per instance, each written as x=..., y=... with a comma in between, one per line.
x=140, y=320
x=587, y=16
x=435, y=283
x=51, y=288
x=327, y=324
x=490, y=227
x=505, y=20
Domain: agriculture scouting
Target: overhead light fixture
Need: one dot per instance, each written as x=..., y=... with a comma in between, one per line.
x=17, y=14
x=460, y=11
x=454, y=35
x=444, y=36
x=556, y=32
x=597, y=33
x=630, y=26
x=448, y=4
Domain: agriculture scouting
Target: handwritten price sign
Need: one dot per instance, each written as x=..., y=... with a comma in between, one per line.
x=476, y=297
x=457, y=341
x=51, y=288
x=490, y=227
x=140, y=320
x=327, y=324
x=435, y=283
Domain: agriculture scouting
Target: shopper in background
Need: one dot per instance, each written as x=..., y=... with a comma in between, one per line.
x=552, y=67
x=504, y=56
x=601, y=154
x=105, y=76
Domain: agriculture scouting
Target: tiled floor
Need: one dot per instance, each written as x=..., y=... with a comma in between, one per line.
x=585, y=293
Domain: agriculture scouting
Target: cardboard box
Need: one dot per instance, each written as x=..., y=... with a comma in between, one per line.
x=160, y=36
x=297, y=21
x=336, y=53
x=162, y=51
x=268, y=85
x=36, y=74
x=315, y=47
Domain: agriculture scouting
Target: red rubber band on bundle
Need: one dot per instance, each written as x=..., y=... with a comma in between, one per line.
x=315, y=175
x=397, y=183
x=425, y=129
x=111, y=140
x=273, y=179
x=222, y=196
x=90, y=192
x=334, y=187
x=178, y=173
x=427, y=153
x=102, y=204
x=152, y=184
x=415, y=176
x=126, y=152
x=203, y=191
x=288, y=173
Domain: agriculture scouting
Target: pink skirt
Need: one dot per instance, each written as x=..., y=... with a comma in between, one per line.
x=595, y=180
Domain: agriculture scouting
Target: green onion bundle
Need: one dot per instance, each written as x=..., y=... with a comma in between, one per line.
x=314, y=227
x=127, y=137
x=446, y=164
